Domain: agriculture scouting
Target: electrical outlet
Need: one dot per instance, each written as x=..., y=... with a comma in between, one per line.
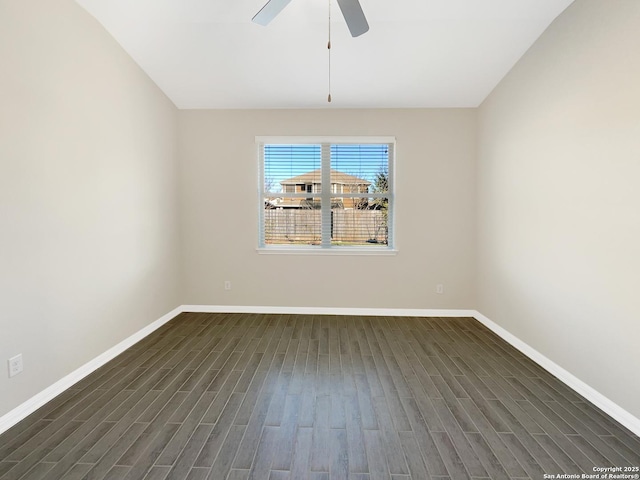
x=227, y=284
x=439, y=289
x=15, y=365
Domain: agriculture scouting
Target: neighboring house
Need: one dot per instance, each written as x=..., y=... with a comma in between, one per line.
x=310, y=183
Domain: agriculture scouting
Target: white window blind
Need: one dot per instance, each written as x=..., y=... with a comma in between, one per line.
x=326, y=194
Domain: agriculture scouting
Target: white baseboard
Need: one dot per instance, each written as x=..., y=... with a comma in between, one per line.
x=27, y=408
x=611, y=408
x=377, y=312
x=605, y=404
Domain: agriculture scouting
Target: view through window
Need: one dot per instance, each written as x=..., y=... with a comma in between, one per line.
x=328, y=194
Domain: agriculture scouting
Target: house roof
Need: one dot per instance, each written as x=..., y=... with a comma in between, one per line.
x=315, y=175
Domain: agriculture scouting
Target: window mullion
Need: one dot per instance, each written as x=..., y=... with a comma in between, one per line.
x=325, y=195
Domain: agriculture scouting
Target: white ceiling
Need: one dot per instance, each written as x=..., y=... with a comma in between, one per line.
x=418, y=53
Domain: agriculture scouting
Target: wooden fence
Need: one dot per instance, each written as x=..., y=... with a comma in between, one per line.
x=303, y=226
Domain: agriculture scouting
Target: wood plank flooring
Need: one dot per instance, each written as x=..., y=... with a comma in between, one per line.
x=289, y=397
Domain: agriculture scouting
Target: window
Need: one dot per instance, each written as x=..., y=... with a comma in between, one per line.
x=351, y=180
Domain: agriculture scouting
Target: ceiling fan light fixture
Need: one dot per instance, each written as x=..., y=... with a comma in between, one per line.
x=351, y=11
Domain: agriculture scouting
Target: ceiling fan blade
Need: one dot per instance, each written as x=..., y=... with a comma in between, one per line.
x=354, y=16
x=270, y=11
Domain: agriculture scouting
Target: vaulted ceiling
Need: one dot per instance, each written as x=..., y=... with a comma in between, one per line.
x=417, y=53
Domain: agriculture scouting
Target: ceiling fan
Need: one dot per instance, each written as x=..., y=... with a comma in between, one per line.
x=351, y=11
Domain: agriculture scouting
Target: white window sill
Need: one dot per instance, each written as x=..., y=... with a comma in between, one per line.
x=355, y=251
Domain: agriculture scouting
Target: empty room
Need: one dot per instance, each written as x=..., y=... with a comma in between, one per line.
x=319, y=239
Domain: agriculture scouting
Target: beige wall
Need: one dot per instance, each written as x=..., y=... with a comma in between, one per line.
x=88, y=246
x=559, y=197
x=435, y=221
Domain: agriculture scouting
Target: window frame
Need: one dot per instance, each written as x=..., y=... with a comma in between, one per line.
x=326, y=248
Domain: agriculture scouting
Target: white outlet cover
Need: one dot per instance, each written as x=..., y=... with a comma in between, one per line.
x=15, y=365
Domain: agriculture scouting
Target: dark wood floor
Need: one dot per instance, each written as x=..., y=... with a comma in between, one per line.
x=277, y=397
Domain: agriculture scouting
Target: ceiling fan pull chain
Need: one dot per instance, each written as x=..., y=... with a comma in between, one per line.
x=329, y=48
